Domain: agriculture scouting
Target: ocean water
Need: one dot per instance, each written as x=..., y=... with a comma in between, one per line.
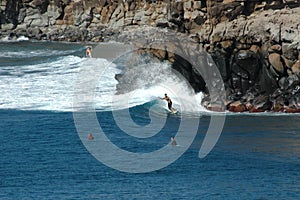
x=45, y=156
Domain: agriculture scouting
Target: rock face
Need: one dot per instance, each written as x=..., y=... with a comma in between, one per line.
x=255, y=44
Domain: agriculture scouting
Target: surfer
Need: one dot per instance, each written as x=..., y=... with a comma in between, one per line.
x=88, y=52
x=168, y=99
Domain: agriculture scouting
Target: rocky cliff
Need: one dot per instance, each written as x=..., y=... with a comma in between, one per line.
x=255, y=43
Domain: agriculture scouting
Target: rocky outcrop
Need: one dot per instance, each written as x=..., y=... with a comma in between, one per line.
x=259, y=52
x=255, y=44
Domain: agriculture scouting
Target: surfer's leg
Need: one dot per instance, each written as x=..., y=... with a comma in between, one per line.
x=170, y=106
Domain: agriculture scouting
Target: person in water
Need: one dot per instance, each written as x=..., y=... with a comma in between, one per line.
x=88, y=52
x=90, y=136
x=173, y=142
x=168, y=99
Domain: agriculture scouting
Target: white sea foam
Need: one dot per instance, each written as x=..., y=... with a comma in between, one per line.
x=148, y=83
x=13, y=39
x=50, y=86
x=22, y=38
x=35, y=53
x=46, y=86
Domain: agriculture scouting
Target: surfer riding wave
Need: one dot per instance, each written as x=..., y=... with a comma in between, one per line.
x=168, y=99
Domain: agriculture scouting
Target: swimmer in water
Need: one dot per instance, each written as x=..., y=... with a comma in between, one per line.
x=90, y=136
x=173, y=142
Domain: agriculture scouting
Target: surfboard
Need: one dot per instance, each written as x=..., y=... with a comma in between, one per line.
x=174, y=111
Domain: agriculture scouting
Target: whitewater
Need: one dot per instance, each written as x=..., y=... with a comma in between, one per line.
x=36, y=78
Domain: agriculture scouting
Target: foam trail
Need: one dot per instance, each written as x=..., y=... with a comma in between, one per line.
x=45, y=86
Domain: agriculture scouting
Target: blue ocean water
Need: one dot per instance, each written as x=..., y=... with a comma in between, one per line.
x=43, y=156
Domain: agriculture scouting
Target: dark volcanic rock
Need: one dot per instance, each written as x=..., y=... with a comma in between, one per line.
x=186, y=69
x=245, y=67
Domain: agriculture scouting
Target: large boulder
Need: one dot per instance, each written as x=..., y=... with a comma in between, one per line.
x=275, y=60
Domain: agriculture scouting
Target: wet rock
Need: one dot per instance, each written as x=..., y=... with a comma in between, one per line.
x=261, y=104
x=292, y=110
x=237, y=106
x=266, y=106
x=255, y=109
x=215, y=108
x=278, y=107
